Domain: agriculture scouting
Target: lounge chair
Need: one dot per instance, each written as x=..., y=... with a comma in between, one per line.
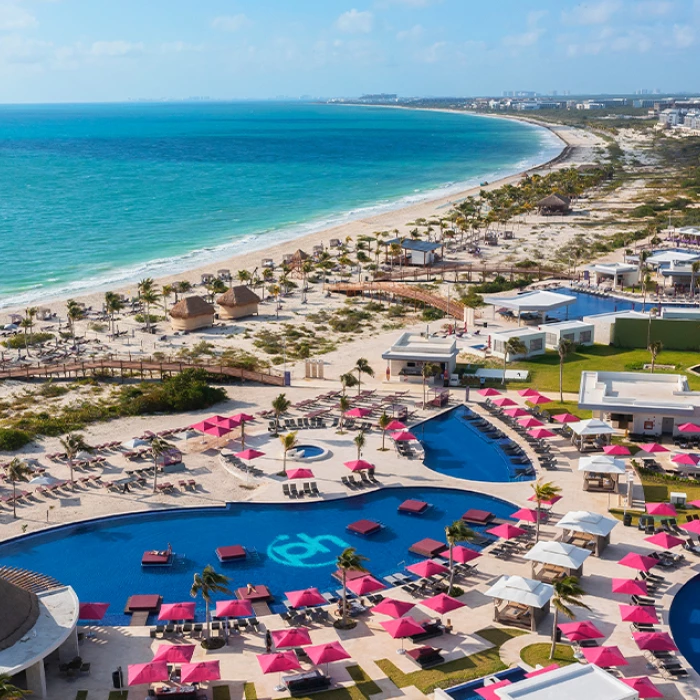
x=314, y=489
x=286, y=491
x=293, y=491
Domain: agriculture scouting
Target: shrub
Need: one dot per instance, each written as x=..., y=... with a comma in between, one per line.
x=17, y=342
x=12, y=439
x=430, y=313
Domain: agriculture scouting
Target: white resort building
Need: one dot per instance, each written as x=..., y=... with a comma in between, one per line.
x=406, y=357
x=577, y=332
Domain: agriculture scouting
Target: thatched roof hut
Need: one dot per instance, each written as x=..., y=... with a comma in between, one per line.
x=554, y=204
x=19, y=611
x=237, y=302
x=191, y=313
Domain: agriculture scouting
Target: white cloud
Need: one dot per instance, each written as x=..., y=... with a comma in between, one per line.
x=433, y=53
x=414, y=32
x=683, y=36
x=231, y=23
x=15, y=17
x=652, y=8
x=355, y=22
x=592, y=13
x=115, y=48
x=530, y=37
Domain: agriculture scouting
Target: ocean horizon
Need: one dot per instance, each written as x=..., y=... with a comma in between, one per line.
x=98, y=196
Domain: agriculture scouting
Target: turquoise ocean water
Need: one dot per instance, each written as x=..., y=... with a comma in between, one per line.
x=101, y=195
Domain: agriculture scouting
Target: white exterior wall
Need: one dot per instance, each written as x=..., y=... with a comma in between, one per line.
x=534, y=341
x=554, y=333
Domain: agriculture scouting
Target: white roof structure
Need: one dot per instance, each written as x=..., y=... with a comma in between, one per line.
x=574, y=682
x=517, y=589
x=565, y=326
x=613, y=268
x=611, y=316
x=568, y=556
x=667, y=257
x=601, y=464
x=585, y=521
x=413, y=346
x=592, y=426
x=532, y=301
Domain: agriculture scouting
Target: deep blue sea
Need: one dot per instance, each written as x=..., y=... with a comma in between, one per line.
x=100, y=195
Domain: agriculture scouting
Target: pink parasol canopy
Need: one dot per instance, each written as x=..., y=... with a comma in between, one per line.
x=92, y=611
x=504, y=401
x=216, y=430
x=530, y=422
x=644, y=687
x=549, y=502
x=638, y=561
x=694, y=504
x=356, y=465
x=642, y=614
x=365, y=585
x=541, y=433
x=652, y=447
x=616, y=450
x=243, y=417
x=249, y=454
x=529, y=515
x=299, y=473
x=234, y=608
x=506, y=531
x=305, y=598
x=528, y=392
x=686, y=459
x=293, y=637
x=689, y=428
x=578, y=631
x=442, y=603
x=540, y=671
x=358, y=413
x=326, y=653
x=176, y=611
x=629, y=586
x=665, y=509
x=516, y=412
x=395, y=425
x=693, y=526
x=202, y=426
x=139, y=674
x=566, y=418
x=403, y=627
x=229, y=423
x=654, y=641
x=489, y=691
x=605, y=657
x=200, y=672
x=393, y=608
x=403, y=436
x=460, y=554
x=488, y=392
x=539, y=399
x=276, y=663
x=426, y=568
x=664, y=540
x=174, y=653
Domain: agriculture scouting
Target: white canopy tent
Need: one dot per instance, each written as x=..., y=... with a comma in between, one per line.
x=602, y=464
x=558, y=559
x=592, y=426
x=589, y=530
x=532, y=302
x=520, y=601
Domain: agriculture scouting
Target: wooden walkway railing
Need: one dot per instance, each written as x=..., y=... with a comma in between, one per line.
x=473, y=272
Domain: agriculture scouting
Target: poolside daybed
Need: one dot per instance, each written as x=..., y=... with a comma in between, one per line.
x=158, y=558
x=519, y=601
x=302, y=684
x=426, y=657
x=364, y=527
x=478, y=517
x=587, y=530
x=428, y=547
x=232, y=552
x=431, y=628
x=413, y=507
x=260, y=593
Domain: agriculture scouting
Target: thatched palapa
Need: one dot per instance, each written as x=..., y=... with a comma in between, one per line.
x=191, y=313
x=554, y=204
x=238, y=302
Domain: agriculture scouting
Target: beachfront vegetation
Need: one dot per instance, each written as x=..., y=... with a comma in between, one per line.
x=15, y=471
x=362, y=366
x=567, y=594
x=12, y=439
x=72, y=444
x=24, y=340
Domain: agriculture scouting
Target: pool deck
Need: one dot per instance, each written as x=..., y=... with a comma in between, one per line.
x=120, y=646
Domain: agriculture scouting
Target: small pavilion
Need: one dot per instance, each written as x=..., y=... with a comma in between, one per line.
x=591, y=434
x=238, y=302
x=554, y=204
x=191, y=314
x=552, y=561
x=536, y=303
x=588, y=530
x=601, y=473
x=518, y=601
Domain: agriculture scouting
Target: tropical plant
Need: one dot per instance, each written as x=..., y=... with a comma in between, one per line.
x=289, y=442
x=72, y=444
x=362, y=367
x=206, y=584
x=26, y=324
x=9, y=691
x=158, y=448
x=280, y=406
x=383, y=422
x=694, y=269
x=513, y=346
x=454, y=533
x=74, y=312
x=243, y=276
x=543, y=491
x=347, y=381
x=654, y=349
x=344, y=405
x=167, y=290
x=567, y=594
x=564, y=347
x=429, y=369
x=182, y=287
x=359, y=441
x=113, y=304
x=348, y=560
x=16, y=471
x=149, y=295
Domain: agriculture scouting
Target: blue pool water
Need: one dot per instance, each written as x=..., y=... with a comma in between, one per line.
x=455, y=447
x=309, y=451
x=467, y=691
x=297, y=543
x=684, y=619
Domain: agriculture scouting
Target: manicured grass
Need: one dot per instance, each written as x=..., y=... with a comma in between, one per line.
x=118, y=695
x=249, y=691
x=657, y=488
x=221, y=692
x=556, y=407
x=539, y=654
x=81, y=695
x=363, y=688
x=458, y=671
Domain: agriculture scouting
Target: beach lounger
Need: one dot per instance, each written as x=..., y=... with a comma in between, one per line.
x=286, y=491
x=314, y=489
x=293, y=491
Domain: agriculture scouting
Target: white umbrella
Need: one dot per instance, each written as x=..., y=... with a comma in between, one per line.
x=134, y=443
x=10, y=327
x=83, y=455
x=602, y=464
x=43, y=480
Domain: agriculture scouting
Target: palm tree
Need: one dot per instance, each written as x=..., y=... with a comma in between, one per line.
x=207, y=583
x=347, y=381
x=564, y=347
x=646, y=283
x=72, y=444
x=243, y=276
x=429, y=369
x=149, y=296
x=362, y=367
x=9, y=691
x=113, y=304
x=567, y=594
x=158, y=448
x=74, y=312
x=280, y=406
x=359, y=442
x=383, y=422
x=543, y=491
x=694, y=269
x=513, y=346
x=344, y=405
x=454, y=533
x=655, y=348
x=182, y=287
x=289, y=442
x=348, y=560
x=16, y=471
x=167, y=291
x=26, y=323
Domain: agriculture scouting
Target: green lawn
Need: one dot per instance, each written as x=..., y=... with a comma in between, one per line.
x=363, y=688
x=249, y=691
x=556, y=407
x=539, y=654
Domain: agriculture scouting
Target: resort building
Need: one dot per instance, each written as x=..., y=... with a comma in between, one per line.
x=238, y=302
x=577, y=332
x=617, y=274
x=406, y=357
x=645, y=404
x=191, y=314
x=530, y=306
x=554, y=204
x=532, y=338
x=417, y=252
x=604, y=324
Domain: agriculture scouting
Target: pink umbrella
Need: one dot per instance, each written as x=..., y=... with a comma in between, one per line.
x=528, y=392
x=358, y=413
x=293, y=637
x=506, y=531
x=654, y=641
x=539, y=399
x=530, y=515
x=638, y=561
x=652, y=447
x=617, y=450
x=578, y=631
x=442, y=603
x=644, y=687
x=216, y=430
x=604, y=657
x=403, y=436
x=92, y=611
x=249, y=454
x=426, y=568
x=365, y=585
x=661, y=509
x=540, y=671
x=664, y=540
x=530, y=422
x=516, y=412
x=200, y=672
x=541, y=433
x=299, y=473
x=686, y=459
x=229, y=423
x=629, y=586
x=549, y=503
x=689, y=428
x=642, y=614
x=305, y=598
x=489, y=691
x=175, y=653
x=693, y=526
x=402, y=628
x=276, y=663
x=356, y=465
x=202, y=426
x=488, y=392
x=139, y=674
x=325, y=653
x=695, y=504
x=395, y=425
x=461, y=554
x=393, y=608
x=234, y=608
x=243, y=417
x=504, y=401
x=566, y=418
x=176, y=611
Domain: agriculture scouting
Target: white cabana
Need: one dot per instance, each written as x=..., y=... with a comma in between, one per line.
x=558, y=559
x=537, y=302
x=586, y=529
x=601, y=473
x=520, y=601
x=592, y=433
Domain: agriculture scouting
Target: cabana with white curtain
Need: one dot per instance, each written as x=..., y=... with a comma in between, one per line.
x=519, y=601
x=585, y=529
x=601, y=473
x=591, y=434
x=556, y=560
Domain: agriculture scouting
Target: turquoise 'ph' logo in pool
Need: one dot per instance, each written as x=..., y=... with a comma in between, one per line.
x=305, y=551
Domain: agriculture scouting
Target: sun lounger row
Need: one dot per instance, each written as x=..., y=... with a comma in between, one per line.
x=366, y=480
x=308, y=488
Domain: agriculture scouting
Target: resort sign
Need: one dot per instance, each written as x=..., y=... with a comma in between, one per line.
x=305, y=551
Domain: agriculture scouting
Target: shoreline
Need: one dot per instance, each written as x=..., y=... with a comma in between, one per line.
x=251, y=254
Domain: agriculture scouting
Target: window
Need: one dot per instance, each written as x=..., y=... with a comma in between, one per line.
x=585, y=337
x=551, y=338
x=571, y=337
x=499, y=346
x=536, y=344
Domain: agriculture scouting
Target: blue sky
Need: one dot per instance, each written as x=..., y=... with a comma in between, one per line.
x=95, y=50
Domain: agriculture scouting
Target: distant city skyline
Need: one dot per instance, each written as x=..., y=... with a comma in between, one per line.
x=92, y=50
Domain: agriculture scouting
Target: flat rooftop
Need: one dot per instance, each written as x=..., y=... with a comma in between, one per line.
x=564, y=326
x=414, y=346
x=522, y=332
x=532, y=301
x=614, y=267
x=610, y=316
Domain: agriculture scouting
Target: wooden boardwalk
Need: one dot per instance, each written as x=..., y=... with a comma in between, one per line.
x=472, y=272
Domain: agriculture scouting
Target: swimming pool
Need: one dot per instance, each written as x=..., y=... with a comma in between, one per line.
x=453, y=446
x=307, y=451
x=684, y=620
x=297, y=544
x=467, y=691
